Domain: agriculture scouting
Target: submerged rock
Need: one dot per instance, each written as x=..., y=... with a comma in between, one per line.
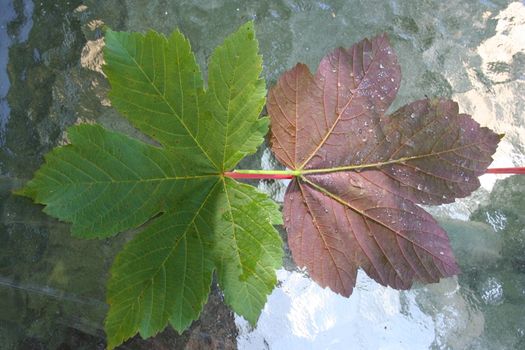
x=502, y=287
x=475, y=245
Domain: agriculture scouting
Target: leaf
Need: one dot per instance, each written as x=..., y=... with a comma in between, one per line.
x=105, y=182
x=157, y=85
x=194, y=219
x=362, y=173
x=235, y=97
x=247, y=249
x=163, y=274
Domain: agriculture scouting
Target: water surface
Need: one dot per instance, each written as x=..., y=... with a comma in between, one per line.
x=52, y=285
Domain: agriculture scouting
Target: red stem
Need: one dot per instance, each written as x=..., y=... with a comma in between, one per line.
x=506, y=171
x=234, y=175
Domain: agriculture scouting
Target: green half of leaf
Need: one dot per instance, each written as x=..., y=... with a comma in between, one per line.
x=196, y=220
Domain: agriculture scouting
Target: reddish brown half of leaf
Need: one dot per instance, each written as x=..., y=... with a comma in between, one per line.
x=363, y=172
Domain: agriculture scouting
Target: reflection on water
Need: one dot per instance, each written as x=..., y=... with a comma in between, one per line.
x=52, y=286
x=14, y=28
x=6, y=16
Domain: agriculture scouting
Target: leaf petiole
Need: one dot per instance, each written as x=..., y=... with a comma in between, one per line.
x=290, y=174
x=262, y=174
